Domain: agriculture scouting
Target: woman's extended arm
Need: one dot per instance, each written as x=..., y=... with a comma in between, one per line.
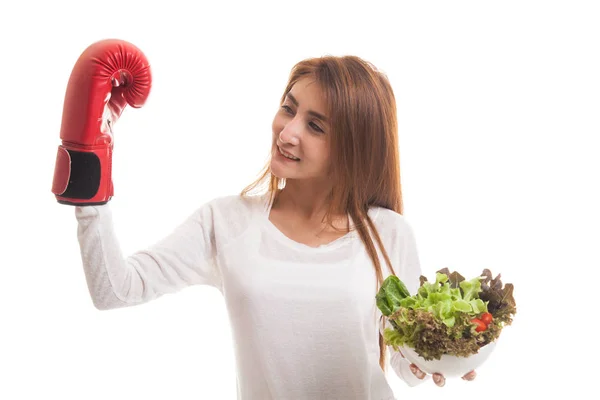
x=185, y=257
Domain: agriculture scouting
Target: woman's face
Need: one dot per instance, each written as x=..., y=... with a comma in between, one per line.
x=301, y=128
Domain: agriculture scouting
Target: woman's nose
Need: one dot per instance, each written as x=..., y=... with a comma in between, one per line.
x=289, y=134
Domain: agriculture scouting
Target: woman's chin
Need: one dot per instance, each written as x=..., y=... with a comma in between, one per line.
x=277, y=172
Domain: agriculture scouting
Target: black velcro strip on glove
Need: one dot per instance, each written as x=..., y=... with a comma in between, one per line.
x=84, y=179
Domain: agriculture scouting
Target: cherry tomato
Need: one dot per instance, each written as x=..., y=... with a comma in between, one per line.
x=481, y=326
x=487, y=318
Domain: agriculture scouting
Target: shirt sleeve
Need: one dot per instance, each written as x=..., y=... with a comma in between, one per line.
x=187, y=256
x=409, y=272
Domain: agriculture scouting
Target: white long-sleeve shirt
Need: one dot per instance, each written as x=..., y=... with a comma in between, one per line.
x=304, y=319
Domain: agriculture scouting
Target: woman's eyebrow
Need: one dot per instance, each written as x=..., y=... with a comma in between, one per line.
x=311, y=112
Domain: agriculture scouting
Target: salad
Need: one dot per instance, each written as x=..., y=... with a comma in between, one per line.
x=449, y=316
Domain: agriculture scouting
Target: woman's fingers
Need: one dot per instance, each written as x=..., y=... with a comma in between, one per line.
x=469, y=376
x=417, y=371
x=439, y=379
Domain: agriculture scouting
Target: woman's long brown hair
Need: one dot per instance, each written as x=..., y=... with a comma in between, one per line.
x=365, y=161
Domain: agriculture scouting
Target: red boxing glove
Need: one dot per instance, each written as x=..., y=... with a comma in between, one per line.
x=108, y=75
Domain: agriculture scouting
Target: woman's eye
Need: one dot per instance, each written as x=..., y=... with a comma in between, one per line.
x=316, y=127
x=312, y=124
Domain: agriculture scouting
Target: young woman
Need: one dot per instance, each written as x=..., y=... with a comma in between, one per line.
x=299, y=262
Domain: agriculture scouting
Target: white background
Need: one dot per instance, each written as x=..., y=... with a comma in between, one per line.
x=498, y=106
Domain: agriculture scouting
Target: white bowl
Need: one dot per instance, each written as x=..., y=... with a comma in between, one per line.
x=449, y=366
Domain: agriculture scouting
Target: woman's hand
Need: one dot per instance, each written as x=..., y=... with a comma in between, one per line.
x=438, y=379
